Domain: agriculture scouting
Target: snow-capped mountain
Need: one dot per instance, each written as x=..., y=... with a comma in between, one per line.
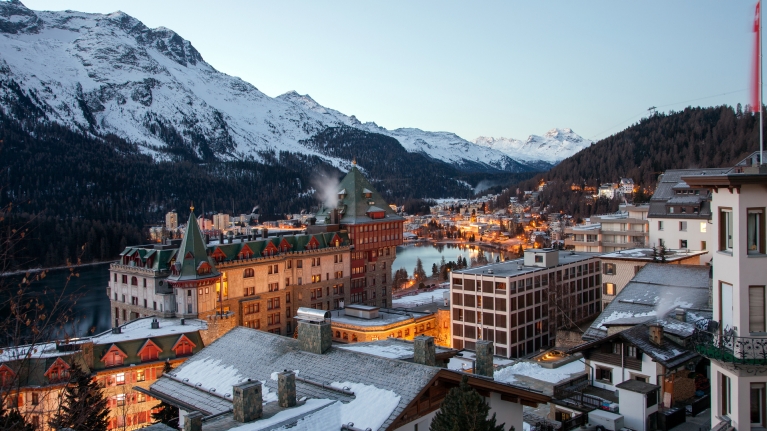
x=553, y=147
x=110, y=74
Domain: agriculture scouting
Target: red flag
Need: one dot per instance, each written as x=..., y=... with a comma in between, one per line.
x=756, y=101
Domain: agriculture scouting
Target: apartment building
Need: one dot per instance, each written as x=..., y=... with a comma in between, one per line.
x=680, y=215
x=628, y=228
x=519, y=304
x=735, y=341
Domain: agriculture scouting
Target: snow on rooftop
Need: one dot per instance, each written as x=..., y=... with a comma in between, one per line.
x=318, y=415
x=40, y=351
x=420, y=299
x=208, y=374
x=384, y=318
x=391, y=351
x=371, y=406
x=623, y=315
x=142, y=328
x=535, y=371
x=465, y=361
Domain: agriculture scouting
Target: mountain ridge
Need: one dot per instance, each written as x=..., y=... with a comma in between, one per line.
x=111, y=74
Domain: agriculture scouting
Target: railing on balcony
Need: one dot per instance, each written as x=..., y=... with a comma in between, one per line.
x=725, y=346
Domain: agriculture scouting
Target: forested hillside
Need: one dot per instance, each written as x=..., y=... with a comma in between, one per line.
x=85, y=196
x=693, y=138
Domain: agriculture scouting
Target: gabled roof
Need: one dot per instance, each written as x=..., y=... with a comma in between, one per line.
x=657, y=289
x=192, y=253
x=354, y=206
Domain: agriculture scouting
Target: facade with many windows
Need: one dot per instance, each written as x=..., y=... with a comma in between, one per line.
x=735, y=341
x=520, y=304
x=375, y=231
x=258, y=282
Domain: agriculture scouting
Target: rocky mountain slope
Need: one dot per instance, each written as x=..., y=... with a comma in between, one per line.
x=110, y=74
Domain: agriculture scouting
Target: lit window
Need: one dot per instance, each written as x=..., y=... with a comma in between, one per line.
x=703, y=227
x=120, y=379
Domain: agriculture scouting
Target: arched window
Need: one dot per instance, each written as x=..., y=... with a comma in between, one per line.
x=248, y=273
x=346, y=336
x=354, y=338
x=338, y=334
x=134, y=281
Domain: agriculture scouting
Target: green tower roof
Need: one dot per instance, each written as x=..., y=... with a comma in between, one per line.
x=192, y=254
x=356, y=198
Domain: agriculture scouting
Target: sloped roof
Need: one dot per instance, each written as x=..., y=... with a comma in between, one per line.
x=256, y=355
x=355, y=205
x=655, y=290
x=672, y=179
x=191, y=253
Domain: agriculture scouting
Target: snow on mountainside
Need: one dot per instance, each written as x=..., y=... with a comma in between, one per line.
x=112, y=74
x=553, y=147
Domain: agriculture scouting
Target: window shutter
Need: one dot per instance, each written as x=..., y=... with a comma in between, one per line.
x=756, y=309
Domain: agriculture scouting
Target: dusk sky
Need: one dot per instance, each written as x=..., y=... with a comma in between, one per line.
x=493, y=68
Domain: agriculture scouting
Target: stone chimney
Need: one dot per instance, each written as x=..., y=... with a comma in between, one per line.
x=155, y=324
x=484, y=361
x=247, y=401
x=656, y=334
x=286, y=388
x=314, y=337
x=193, y=422
x=264, y=233
x=424, y=350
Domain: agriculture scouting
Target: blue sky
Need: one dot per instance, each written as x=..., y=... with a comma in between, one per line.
x=493, y=68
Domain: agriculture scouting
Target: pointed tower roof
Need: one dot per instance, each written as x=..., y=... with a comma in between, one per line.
x=357, y=199
x=192, y=262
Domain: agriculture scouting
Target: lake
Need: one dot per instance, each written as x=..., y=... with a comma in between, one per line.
x=433, y=253
x=85, y=294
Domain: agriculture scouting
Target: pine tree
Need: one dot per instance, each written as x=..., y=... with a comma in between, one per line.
x=12, y=420
x=419, y=273
x=84, y=407
x=434, y=270
x=463, y=409
x=166, y=413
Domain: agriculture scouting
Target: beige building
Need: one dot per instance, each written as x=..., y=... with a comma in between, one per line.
x=618, y=268
x=628, y=228
x=171, y=220
x=221, y=221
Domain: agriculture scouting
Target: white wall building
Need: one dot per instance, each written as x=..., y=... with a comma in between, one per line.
x=738, y=374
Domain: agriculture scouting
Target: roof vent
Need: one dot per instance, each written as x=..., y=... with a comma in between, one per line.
x=117, y=330
x=155, y=324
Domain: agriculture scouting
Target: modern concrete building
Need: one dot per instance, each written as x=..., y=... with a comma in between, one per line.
x=628, y=228
x=519, y=304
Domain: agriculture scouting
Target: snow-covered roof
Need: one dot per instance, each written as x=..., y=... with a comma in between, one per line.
x=142, y=328
x=392, y=348
x=532, y=370
x=420, y=298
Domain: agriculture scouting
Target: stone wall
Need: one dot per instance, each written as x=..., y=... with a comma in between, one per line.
x=217, y=326
x=566, y=339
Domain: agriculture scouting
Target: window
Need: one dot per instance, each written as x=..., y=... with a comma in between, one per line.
x=248, y=273
x=140, y=397
x=755, y=231
x=703, y=227
x=671, y=210
x=609, y=288
x=287, y=298
x=660, y=224
x=757, y=404
x=724, y=390
x=120, y=379
x=631, y=351
x=652, y=398
x=299, y=264
x=605, y=374
x=683, y=226
x=703, y=245
x=609, y=269
x=140, y=375
x=725, y=229
x=756, y=309
x=316, y=278
x=273, y=287
x=120, y=399
x=538, y=259
x=35, y=398
x=682, y=243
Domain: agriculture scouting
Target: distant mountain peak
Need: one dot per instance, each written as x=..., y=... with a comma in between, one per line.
x=554, y=146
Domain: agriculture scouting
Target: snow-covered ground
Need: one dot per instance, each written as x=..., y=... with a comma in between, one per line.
x=419, y=299
x=535, y=371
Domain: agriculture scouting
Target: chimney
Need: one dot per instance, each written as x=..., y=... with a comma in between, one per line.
x=193, y=421
x=117, y=330
x=247, y=401
x=183, y=321
x=656, y=334
x=264, y=233
x=286, y=388
x=681, y=314
x=221, y=237
x=334, y=216
x=484, y=362
x=314, y=337
x=155, y=324
x=424, y=350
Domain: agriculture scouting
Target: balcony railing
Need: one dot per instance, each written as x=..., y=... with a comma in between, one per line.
x=725, y=346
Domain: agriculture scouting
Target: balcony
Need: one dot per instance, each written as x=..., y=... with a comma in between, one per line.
x=730, y=348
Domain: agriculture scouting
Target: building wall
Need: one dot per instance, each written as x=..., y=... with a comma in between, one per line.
x=552, y=297
x=699, y=235
x=406, y=329
x=621, y=374
x=740, y=270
